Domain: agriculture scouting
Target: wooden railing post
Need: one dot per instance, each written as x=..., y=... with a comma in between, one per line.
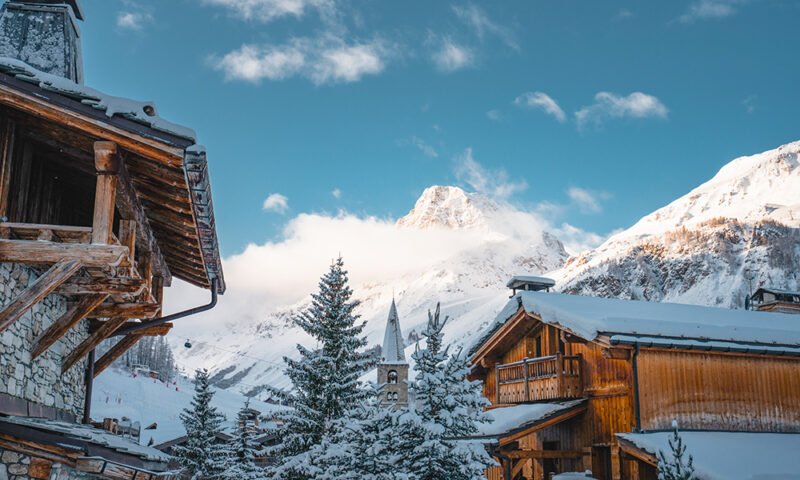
x=497, y=383
x=560, y=374
x=527, y=384
x=106, y=165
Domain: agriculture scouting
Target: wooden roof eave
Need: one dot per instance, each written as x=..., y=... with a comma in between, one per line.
x=526, y=430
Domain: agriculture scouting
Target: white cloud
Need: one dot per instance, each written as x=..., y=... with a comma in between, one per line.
x=276, y=203
x=491, y=182
x=587, y=201
x=133, y=20
x=325, y=60
x=336, y=193
x=494, y=115
x=426, y=149
x=708, y=9
x=608, y=105
x=577, y=240
x=541, y=101
x=450, y=56
x=623, y=14
x=268, y=10
x=750, y=103
x=480, y=22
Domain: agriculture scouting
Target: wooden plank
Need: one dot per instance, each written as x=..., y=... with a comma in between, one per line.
x=6, y=157
x=111, y=286
x=545, y=454
x=42, y=287
x=62, y=233
x=106, y=164
x=54, y=454
x=106, y=329
x=73, y=315
x=116, y=351
x=130, y=207
x=36, y=253
x=127, y=310
x=154, y=331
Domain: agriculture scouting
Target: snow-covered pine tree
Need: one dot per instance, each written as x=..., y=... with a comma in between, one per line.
x=241, y=452
x=674, y=466
x=447, y=407
x=325, y=380
x=201, y=456
x=360, y=446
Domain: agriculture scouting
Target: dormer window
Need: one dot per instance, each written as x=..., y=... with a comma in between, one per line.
x=392, y=377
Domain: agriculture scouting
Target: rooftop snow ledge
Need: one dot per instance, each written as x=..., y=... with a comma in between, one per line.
x=140, y=112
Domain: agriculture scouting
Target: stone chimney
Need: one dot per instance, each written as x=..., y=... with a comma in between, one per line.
x=44, y=34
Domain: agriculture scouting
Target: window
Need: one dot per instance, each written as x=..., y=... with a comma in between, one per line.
x=392, y=396
x=538, y=346
x=392, y=377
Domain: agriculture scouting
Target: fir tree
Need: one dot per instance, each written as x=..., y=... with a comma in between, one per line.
x=325, y=380
x=360, y=446
x=201, y=456
x=242, y=450
x=447, y=407
x=674, y=467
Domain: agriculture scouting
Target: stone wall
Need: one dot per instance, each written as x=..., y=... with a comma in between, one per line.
x=18, y=466
x=39, y=381
x=400, y=388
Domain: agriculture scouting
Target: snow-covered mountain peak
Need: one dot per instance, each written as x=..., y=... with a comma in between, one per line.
x=750, y=188
x=451, y=207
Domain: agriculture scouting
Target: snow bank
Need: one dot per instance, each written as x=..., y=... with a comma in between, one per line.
x=732, y=455
x=505, y=419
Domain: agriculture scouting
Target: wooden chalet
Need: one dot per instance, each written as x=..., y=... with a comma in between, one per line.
x=775, y=300
x=581, y=383
x=102, y=204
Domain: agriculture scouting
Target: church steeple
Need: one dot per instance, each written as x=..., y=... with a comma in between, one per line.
x=393, y=346
x=393, y=368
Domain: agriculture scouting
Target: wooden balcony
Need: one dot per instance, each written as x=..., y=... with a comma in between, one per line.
x=545, y=378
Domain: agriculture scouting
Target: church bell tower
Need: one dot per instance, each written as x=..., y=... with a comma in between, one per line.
x=393, y=368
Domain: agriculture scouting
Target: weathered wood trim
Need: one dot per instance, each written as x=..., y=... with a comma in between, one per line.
x=72, y=316
x=38, y=252
x=107, y=164
x=6, y=155
x=545, y=454
x=115, y=286
x=543, y=424
x=42, y=287
x=106, y=329
x=53, y=454
x=638, y=453
x=116, y=351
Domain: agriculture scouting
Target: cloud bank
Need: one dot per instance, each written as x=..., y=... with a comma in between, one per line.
x=541, y=101
x=609, y=106
x=276, y=203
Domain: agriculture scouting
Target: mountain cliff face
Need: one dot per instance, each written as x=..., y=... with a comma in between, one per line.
x=739, y=229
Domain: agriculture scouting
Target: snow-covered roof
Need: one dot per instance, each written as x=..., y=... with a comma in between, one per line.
x=144, y=113
x=89, y=434
x=731, y=455
x=520, y=417
x=520, y=280
x=393, y=350
x=588, y=317
x=574, y=476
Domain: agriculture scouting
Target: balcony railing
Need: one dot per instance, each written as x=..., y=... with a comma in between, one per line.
x=544, y=378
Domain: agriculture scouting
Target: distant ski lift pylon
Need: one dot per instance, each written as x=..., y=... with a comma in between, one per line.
x=187, y=344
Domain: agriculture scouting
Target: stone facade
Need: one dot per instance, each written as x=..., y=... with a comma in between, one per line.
x=18, y=466
x=39, y=381
x=394, y=391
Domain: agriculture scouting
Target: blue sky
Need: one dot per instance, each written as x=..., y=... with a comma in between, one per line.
x=590, y=113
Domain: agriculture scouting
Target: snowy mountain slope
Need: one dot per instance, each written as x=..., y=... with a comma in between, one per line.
x=702, y=247
x=470, y=285
x=146, y=400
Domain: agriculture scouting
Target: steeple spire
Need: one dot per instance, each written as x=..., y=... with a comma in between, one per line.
x=393, y=346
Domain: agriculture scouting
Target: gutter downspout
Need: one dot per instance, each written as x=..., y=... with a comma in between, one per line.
x=87, y=402
x=505, y=461
x=174, y=316
x=636, y=389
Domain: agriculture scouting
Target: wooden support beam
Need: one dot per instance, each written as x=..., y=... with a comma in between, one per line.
x=42, y=287
x=111, y=286
x=545, y=454
x=106, y=164
x=517, y=467
x=106, y=329
x=34, y=231
x=130, y=207
x=154, y=331
x=127, y=238
x=37, y=252
x=73, y=315
x=6, y=156
x=126, y=310
x=116, y=351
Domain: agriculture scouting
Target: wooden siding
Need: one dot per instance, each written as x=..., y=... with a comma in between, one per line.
x=719, y=391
